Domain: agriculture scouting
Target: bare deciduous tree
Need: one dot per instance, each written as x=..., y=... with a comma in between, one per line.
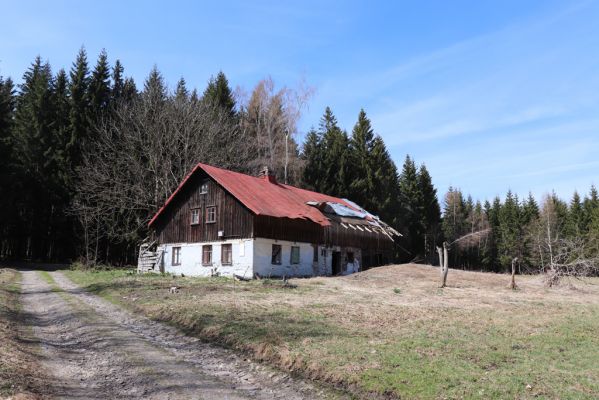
x=140, y=155
x=270, y=118
x=557, y=255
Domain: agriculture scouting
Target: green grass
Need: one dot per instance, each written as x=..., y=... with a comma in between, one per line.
x=546, y=348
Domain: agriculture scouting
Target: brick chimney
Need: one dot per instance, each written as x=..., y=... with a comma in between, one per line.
x=266, y=174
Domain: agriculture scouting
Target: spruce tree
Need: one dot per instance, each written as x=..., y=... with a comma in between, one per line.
x=431, y=213
x=33, y=145
x=313, y=157
x=575, y=224
x=79, y=108
x=155, y=91
x=412, y=205
x=7, y=109
x=509, y=245
x=362, y=166
x=118, y=82
x=181, y=92
x=386, y=184
x=99, y=91
x=129, y=90
x=219, y=94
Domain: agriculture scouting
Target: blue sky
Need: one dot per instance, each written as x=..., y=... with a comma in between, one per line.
x=491, y=95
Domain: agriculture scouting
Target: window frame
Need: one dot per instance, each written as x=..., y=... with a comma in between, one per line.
x=199, y=213
x=208, y=212
x=291, y=260
x=228, y=246
x=204, y=252
x=276, y=259
x=176, y=256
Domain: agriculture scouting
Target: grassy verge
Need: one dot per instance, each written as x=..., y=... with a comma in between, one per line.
x=390, y=332
x=17, y=364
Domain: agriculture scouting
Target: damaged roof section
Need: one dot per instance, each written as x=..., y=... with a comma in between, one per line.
x=352, y=216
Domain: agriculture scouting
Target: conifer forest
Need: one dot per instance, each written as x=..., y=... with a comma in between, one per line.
x=88, y=155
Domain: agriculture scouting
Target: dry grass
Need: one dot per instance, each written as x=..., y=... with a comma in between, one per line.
x=391, y=331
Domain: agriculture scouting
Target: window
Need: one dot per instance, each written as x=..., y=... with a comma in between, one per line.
x=195, y=216
x=210, y=214
x=315, y=255
x=176, y=256
x=276, y=254
x=295, y=254
x=207, y=254
x=226, y=255
x=204, y=188
x=350, y=257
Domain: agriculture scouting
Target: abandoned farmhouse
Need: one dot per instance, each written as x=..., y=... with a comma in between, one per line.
x=220, y=222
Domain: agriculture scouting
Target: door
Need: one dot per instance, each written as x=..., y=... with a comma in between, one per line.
x=336, y=263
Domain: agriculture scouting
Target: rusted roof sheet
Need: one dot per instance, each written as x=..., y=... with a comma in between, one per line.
x=265, y=197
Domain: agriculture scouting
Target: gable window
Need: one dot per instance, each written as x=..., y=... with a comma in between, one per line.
x=226, y=255
x=204, y=188
x=295, y=254
x=210, y=214
x=276, y=254
x=207, y=254
x=195, y=216
x=176, y=256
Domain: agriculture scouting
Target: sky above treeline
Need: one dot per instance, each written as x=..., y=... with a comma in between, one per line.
x=490, y=95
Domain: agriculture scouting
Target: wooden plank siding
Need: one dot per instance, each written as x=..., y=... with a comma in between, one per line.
x=232, y=217
x=237, y=221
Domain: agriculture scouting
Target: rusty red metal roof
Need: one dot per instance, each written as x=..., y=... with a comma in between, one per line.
x=264, y=196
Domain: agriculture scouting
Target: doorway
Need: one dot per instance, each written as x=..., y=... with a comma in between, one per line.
x=336, y=263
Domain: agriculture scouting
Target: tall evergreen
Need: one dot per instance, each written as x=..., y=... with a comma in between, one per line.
x=575, y=224
x=362, y=166
x=412, y=207
x=219, y=94
x=181, y=92
x=335, y=161
x=386, y=184
x=33, y=143
x=118, y=82
x=99, y=89
x=509, y=245
x=8, y=221
x=79, y=109
x=313, y=158
x=155, y=90
x=7, y=109
x=431, y=213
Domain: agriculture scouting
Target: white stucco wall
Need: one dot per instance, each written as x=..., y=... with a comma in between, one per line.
x=256, y=257
x=263, y=259
x=191, y=259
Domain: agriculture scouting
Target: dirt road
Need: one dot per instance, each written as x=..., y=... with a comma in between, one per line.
x=95, y=350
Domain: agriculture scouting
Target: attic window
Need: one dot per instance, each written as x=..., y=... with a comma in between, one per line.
x=204, y=188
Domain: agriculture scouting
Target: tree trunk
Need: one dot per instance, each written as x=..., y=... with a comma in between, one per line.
x=513, y=285
x=443, y=263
